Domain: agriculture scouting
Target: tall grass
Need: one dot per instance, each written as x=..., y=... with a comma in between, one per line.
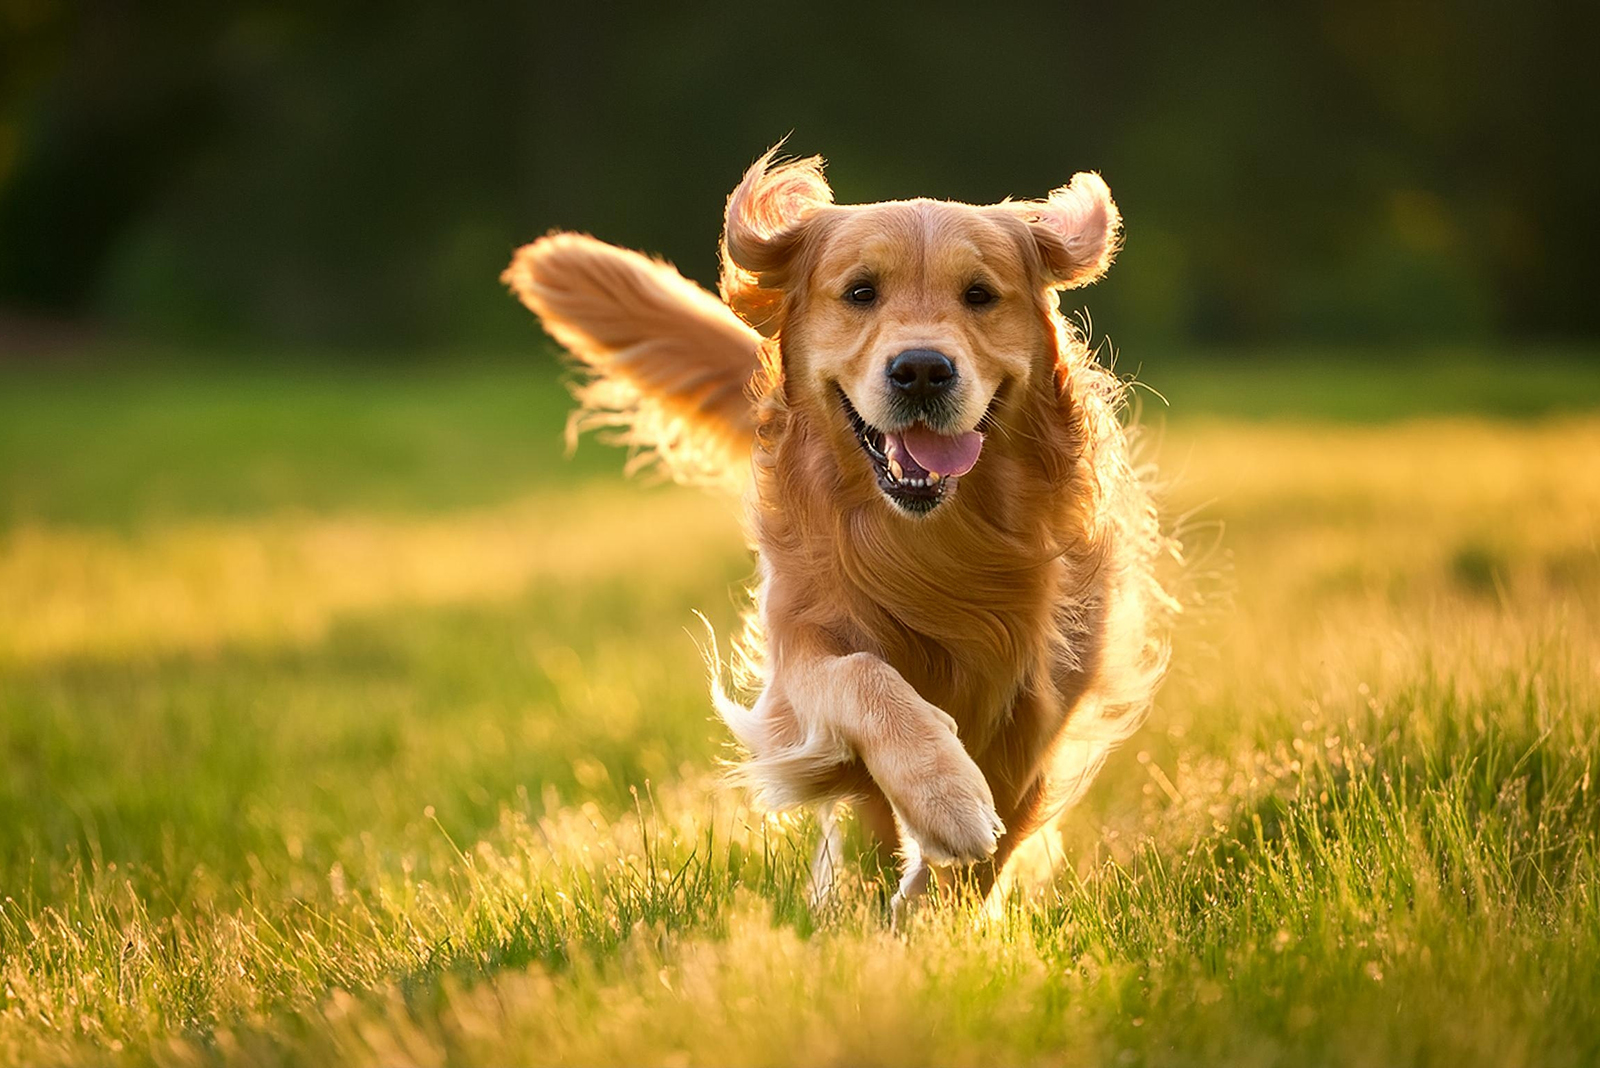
x=433, y=780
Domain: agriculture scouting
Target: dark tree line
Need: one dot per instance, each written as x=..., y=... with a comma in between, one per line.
x=358, y=173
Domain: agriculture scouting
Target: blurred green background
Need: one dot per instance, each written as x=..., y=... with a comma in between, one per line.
x=354, y=176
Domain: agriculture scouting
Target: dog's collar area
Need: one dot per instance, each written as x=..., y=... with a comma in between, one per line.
x=906, y=484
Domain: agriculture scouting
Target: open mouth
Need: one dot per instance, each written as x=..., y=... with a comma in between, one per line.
x=917, y=468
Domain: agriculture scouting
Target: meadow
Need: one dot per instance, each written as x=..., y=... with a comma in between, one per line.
x=344, y=719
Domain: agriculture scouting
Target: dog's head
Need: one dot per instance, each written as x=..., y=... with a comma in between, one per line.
x=908, y=324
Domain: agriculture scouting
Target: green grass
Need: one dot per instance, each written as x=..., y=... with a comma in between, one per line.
x=1526, y=382
x=343, y=720
x=125, y=443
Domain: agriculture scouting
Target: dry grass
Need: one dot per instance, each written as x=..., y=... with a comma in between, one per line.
x=439, y=787
x=203, y=585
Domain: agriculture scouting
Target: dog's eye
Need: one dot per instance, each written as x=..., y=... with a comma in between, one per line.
x=978, y=294
x=861, y=293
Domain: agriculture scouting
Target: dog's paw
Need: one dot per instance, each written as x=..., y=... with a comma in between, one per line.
x=912, y=886
x=945, y=803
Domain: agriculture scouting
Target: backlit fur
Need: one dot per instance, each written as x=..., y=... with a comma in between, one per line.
x=960, y=676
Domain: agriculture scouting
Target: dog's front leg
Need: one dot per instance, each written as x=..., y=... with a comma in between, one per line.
x=909, y=747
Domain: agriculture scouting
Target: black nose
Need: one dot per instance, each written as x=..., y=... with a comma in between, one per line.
x=922, y=373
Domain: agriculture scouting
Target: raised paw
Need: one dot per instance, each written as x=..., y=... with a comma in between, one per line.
x=944, y=802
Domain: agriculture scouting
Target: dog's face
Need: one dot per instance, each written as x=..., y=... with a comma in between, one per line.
x=906, y=325
x=914, y=320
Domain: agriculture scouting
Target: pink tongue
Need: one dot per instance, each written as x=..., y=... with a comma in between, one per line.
x=946, y=456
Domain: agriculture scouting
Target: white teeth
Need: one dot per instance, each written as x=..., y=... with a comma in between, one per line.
x=897, y=474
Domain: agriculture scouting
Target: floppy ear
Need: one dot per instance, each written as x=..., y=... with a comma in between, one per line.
x=766, y=221
x=1077, y=229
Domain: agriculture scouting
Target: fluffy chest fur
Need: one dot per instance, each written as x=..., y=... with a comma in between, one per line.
x=986, y=601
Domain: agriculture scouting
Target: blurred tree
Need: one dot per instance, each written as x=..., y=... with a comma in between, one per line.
x=358, y=173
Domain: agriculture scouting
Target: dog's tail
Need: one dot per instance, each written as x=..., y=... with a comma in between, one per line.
x=668, y=365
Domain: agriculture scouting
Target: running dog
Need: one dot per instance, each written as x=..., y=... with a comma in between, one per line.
x=957, y=613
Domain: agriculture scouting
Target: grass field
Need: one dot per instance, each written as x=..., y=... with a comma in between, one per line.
x=344, y=721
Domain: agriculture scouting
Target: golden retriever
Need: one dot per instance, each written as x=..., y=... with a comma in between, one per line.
x=957, y=612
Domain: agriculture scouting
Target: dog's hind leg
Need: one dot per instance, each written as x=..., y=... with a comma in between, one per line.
x=829, y=857
x=879, y=842
x=880, y=835
x=913, y=884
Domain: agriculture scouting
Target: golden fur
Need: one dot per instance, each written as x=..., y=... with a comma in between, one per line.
x=957, y=676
